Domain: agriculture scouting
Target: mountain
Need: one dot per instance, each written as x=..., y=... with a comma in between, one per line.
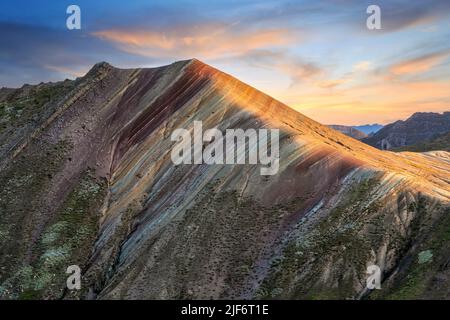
x=421, y=126
x=349, y=131
x=87, y=179
x=357, y=132
x=369, y=128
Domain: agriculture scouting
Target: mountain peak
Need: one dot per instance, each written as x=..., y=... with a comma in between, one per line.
x=100, y=68
x=103, y=66
x=194, y=62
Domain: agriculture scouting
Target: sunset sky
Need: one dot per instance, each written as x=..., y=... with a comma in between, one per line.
x=316, y=56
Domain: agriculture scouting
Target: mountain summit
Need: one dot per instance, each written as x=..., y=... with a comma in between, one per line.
x=88, y=180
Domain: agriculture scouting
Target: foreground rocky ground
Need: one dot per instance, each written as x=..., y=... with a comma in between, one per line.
x=87, y=180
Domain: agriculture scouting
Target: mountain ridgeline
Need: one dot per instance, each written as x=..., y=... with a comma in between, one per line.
x=420, y=128
x=87, y=179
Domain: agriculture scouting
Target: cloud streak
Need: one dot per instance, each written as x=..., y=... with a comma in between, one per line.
x=298, y=69
x=210, y=41
x=418, y=65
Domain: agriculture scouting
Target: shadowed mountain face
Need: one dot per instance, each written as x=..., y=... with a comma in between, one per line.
x=420, y=127
x=349, y=131
x=88, y=180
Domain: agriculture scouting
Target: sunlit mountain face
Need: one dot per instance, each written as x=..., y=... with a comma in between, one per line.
x=224, y=150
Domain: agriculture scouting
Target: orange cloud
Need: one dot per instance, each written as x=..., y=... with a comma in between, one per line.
x=204, y=41
x=418, y=65
x=331, y=83
x=67, y=71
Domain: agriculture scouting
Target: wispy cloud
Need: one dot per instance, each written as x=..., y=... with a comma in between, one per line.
x=362, y=66
x=298, y=69
x=210, y=41
x=31, y=54
x=68, y=71
x=419, y=64
x=399, y=15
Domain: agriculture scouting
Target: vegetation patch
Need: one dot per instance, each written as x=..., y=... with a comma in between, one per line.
x=425, y=265
x=29, y=105
x=305, y=270
x=66, y=240
x=425, y=256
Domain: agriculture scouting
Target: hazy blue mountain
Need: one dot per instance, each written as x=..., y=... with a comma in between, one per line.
x=369, y=128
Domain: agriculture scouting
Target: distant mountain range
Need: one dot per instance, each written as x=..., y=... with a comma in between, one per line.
x=357, y=132
x=419, y=128
x=369, y=129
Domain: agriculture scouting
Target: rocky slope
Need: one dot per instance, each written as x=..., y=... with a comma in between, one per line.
x=88, y=180
x=420, y=127
x=349, y=131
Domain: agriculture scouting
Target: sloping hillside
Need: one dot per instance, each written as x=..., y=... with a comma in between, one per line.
x=91, y=183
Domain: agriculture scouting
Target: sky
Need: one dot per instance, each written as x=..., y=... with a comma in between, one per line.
x=318, y=57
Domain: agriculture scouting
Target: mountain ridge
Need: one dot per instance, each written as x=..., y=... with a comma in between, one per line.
x=369, y=128
x=419, y=127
